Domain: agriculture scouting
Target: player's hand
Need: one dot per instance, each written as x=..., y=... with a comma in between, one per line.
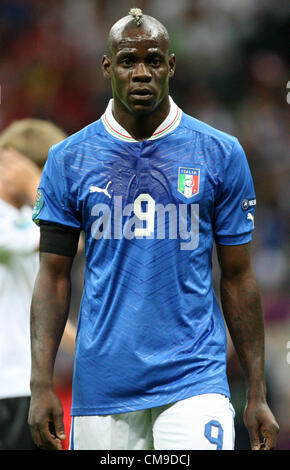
x=46, y=420
x=261, y=424
x=19, y=174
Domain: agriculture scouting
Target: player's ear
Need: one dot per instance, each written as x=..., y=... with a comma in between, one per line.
x=172, y=64
x=106, y=65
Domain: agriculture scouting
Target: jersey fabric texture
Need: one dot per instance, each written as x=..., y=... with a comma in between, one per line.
x=150, y=330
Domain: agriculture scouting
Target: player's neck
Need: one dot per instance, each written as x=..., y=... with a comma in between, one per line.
x=143, y=126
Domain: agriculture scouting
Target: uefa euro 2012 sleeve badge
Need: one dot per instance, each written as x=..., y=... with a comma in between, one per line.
x=188, y=181
x=39, y=201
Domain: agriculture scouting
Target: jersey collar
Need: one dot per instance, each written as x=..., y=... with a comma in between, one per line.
x=168, y=125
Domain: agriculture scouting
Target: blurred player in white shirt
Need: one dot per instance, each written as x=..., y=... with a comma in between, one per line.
x=23, y=150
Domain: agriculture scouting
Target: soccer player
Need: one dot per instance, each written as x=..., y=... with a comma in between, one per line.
x=150, y=360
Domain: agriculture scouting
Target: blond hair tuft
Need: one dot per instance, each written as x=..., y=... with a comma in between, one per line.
x=137, y=15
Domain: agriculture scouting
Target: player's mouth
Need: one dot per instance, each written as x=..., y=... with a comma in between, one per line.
x=142, y=94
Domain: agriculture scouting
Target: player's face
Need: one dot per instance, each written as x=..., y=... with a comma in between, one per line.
x=139, y=68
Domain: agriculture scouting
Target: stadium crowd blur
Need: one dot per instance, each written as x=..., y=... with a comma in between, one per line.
x=231, y=73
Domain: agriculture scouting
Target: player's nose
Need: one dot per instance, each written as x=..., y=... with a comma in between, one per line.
x=141, y=73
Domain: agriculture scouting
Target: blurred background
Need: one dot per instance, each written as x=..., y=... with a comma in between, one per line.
x=232, y=72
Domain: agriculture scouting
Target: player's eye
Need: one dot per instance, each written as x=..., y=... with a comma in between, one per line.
x=155, y=61
x=127, y=62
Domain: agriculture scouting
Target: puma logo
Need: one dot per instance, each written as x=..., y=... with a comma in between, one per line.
x=96, y=189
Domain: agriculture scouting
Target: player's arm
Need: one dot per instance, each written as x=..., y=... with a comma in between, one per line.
x=243, y=313
x=69, y=337
x=49, y=312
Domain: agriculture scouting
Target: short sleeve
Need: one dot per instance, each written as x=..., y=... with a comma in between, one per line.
x=236, y=201
x=55, y=202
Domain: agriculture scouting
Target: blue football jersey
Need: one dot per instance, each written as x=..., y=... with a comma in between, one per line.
x=150, y=329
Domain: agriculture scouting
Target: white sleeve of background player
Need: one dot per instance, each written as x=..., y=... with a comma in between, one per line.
x=18, y=236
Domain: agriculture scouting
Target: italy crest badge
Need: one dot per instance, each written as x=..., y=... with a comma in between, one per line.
x=188, y=181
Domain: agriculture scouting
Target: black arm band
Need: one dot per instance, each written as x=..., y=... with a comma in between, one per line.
x=58, y=239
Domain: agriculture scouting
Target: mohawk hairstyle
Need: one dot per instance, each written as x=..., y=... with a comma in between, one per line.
x=137, y=15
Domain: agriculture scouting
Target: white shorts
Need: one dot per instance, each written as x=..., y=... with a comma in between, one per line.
x=202, y=422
